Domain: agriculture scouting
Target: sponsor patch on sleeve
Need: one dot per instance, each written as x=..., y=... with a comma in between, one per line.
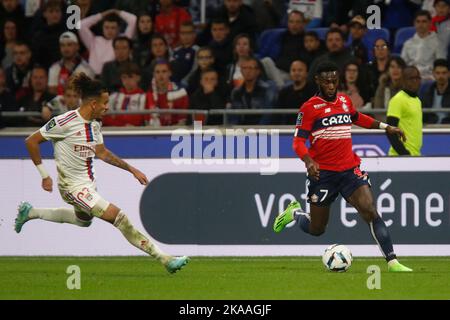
x=299, y=119
x=51, y=124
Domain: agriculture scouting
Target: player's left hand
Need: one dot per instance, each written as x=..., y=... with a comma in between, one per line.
x=397, y=131
x=142, y=178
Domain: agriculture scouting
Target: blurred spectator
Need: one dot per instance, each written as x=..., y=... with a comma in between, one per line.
x=110, y=74
x=141, y=44
x=337, y=52
x=355, y=85
x=240, y=17
x=209, y=95
x=100, y=47
x=254, y=93
x=159, y=50
x=390, y=83
x=205, y=61
x=405, y=112
x=442, y=9
x=130, y=98
x=358, y=31
x=184, y=55
x=438, y=94
x=221, y=43
x=7, y=101
x=71, y=63
x=379, y=64
x=422, y=49
x=243, y=48
x=8, y=39
x=169, y=20
x=291, y=42
x=211, y=7
x=45, y=44
x=314, y=48
x=18, y=74
x=37, y=98
x=11, y=9
x=269, y=12
x=165, y=94
x=295, y=95
x=312, y=9
x=60, y=104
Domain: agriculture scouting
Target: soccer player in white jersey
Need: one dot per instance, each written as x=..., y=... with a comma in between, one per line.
x=77, y=138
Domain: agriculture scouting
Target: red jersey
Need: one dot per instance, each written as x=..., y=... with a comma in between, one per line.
x=328, y=125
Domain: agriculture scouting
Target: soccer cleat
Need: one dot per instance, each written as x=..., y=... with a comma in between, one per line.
x=22, y=216
x=176, y=264
x=398, y=267
x=286, y=217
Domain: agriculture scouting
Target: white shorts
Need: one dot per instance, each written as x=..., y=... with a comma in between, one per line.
x=86, y=200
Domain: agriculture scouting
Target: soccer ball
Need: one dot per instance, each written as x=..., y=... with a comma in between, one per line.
x=337, y=257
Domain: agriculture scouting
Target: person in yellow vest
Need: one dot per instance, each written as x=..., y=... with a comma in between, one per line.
x=405, y=112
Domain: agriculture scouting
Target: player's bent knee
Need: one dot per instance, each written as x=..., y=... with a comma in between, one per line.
x=111, y=213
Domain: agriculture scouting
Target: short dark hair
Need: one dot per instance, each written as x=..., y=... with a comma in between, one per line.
x=335, y=30
x=220, y=21
x=312, y=34
x=326, y=66
x=208, y=70
x=39, y=67
x=112, y=17
x=188, y=23
x=123, y=38
x=129, y=68
x=52, y=4
x=440, y=63
x=290, y=12
x=87, y=87
x=422, y=13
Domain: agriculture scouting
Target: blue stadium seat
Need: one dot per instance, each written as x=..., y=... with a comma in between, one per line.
x=269, y=43
x=322, y=32
x=369, y=39
x=401, y=36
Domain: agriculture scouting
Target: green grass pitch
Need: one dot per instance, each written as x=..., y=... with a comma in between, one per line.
x=289, y=278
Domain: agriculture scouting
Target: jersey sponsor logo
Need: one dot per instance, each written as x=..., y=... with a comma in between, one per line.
x=327, y=110
x=318, y=106
x=299, y=119
x=336, y=120
x=51, y=124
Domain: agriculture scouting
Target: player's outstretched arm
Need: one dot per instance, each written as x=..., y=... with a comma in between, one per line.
x=107, y=156
x=367, y=122
x=32, y=143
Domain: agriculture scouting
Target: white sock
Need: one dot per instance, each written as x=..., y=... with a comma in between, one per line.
x=59, y=215
x=138, y=240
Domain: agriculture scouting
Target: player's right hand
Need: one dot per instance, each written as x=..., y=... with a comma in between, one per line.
x=313, y=169
x=47, y=184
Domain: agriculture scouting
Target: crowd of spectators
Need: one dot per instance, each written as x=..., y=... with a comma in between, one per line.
x=165, y=55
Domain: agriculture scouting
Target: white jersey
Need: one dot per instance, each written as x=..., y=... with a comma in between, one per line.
x=74, y=140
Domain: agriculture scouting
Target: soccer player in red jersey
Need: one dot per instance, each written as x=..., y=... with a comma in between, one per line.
x=332, y=166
